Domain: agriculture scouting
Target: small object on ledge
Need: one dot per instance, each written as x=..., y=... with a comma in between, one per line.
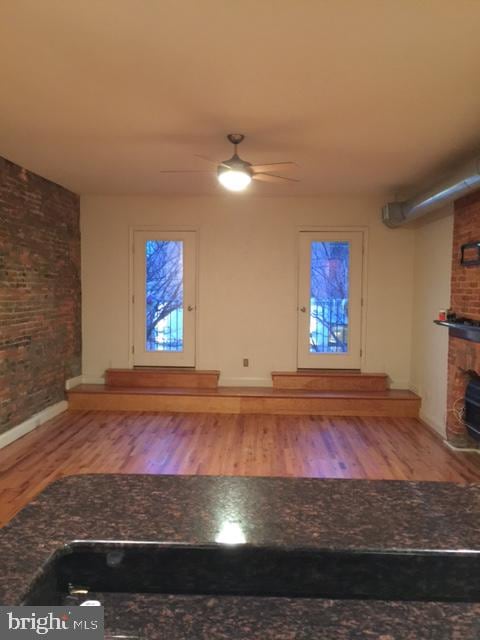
x=470, y=254
x=451, y=316
x=442, y=315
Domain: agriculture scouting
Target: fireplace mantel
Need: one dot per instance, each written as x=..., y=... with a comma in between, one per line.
x=461, y=330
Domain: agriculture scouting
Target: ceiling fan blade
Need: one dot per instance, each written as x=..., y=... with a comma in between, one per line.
x=270, y=177
x=187, y=171
x=215, y=162
x=273, y=166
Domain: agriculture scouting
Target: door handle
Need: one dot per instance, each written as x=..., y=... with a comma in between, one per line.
x=303, y=309
x=190, y=308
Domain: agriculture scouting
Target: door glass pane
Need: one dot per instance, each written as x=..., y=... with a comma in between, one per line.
x=164, y=295
x=329, y=275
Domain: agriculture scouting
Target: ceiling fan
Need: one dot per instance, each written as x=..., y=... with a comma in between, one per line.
x=236, y=174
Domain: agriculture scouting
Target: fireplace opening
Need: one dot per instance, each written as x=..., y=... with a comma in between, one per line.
x=472, y=407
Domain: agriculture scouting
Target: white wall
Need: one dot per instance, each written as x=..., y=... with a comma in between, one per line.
x=247, y=279
x=433, y=259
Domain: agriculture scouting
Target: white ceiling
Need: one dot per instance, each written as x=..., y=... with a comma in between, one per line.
x=365, y=95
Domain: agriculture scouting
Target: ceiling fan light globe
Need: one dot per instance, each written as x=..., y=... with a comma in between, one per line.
x=234, y=180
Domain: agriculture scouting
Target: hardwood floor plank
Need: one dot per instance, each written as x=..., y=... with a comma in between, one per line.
x=225, y=444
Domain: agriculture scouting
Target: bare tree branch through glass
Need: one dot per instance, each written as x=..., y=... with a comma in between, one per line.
x=164, y=294
x=329, y=297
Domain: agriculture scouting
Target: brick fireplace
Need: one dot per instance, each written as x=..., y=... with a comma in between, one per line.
x=463, y=355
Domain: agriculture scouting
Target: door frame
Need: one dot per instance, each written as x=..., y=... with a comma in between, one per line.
x=155, y=228
x=364, y=306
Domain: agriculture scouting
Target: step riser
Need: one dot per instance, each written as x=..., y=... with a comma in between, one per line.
x=395, y=407
x=161, y=379
x=340, y=383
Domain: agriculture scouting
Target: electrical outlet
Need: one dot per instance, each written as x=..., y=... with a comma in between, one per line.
x=245, y=362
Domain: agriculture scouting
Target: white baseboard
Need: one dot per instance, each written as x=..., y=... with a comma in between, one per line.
x=32, y=423
x=93, y=380
x=435, y=424
x=244, y=382
x=73, y=382
x=440, y=429
x=400, y=384
x=460, y=449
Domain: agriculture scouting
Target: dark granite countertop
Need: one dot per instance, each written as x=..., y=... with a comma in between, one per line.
x=326, y=514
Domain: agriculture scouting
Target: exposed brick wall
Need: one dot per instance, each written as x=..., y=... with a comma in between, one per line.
x=465, y=300
x=40, y=296
x=466, y=280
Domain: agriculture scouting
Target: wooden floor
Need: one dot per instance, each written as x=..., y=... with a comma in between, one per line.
x=320, y=447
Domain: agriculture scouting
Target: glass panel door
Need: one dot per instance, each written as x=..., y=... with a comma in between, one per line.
x=164, y=298
x=330, y=276
x=329, y=283
x=164, y=295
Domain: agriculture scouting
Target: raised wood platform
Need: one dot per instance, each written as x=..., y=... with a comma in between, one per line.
x=330, y=380
x=242, y=400
x=162, y=377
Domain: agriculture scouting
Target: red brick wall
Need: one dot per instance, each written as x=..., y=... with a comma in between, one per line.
x=465, y=300
x=40, y=318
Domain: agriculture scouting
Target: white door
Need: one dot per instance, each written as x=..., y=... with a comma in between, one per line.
x=330, y=299
x=164, y=298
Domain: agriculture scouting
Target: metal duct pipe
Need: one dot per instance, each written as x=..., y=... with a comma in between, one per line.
x=458, y=184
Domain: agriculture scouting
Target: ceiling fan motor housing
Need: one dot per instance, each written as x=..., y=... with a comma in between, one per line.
x=235, y=164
